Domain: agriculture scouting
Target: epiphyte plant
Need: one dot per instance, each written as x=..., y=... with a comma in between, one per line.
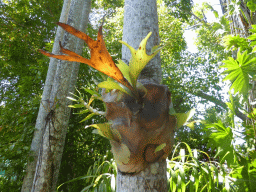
x=140, y=128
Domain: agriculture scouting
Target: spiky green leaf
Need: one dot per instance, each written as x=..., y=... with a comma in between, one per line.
x=139, y=58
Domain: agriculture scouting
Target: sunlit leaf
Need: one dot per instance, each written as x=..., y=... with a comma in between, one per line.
x=104, y=129
x=124, y=68
x=97, y=180
x=191, y=125
x=221, y=137
x=252, y=5
x=182, y=118
x=157, y=48
x=139, y=59
x=72, y=99
x=254, y=49
x=235, y=42
x=252, y=115
x=100, y=58
x=113, y=85
x=83, y=111
x=91, y=100
x=88, y=117
x=76, y=106
x=238, y=72
x=160, y=147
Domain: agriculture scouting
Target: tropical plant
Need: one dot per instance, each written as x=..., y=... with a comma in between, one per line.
x=99, y=177
x=188, y=173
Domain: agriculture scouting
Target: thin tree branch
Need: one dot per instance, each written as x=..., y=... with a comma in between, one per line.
x=219, y=103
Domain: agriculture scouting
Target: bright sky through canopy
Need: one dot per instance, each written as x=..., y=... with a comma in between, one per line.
x=190, y=35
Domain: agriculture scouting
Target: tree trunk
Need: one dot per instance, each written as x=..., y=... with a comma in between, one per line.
x=240, y=25
x=53, y=116
x=153, y=178
x=140, y=17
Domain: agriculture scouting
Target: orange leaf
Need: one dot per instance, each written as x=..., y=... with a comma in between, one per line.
x=100, y=57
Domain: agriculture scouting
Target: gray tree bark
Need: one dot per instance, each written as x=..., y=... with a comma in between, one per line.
x=53, y=116
x=239, y=23
x=140, y=17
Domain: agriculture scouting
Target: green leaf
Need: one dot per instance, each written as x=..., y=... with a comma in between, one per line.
x=114, y=85
x=104, y=129
x=238, y=72
x=182, y=118
x=160, y=147
x=139, y=59
x=252, y=37
x=124, y=68
x=72, y=99
x=231, y=107
x=254, y=49
x=235, y=42
x=91, y=100
x=191, y=124
x=252, y=115
x=92, y=92
x=251, y=5
x=88, y=117
x=157, y=48
x=121, y=154
x=76, y=106
x=221, y=138
x=87, y=188
x=82, y=111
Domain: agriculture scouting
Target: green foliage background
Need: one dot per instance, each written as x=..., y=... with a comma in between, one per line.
x=27, y=26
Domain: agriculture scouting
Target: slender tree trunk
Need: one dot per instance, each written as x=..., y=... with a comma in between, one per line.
x=140, y=17
x=52, y=121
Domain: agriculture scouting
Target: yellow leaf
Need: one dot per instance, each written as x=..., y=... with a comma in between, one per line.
x=113, y=85
x=160, y=147
x=182, y=118
x=124, y=68
x=139, y=58
x=104, y=129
